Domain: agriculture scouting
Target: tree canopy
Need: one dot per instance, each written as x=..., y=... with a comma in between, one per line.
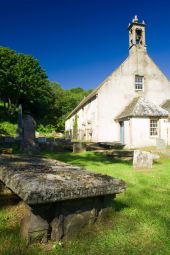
x=65, y=102
x=23, y=81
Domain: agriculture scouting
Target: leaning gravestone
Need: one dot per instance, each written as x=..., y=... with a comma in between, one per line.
x=28, y=141
x=142, y=159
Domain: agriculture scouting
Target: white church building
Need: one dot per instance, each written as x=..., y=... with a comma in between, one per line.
x=131, y=106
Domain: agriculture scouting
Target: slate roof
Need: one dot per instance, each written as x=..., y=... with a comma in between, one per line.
x=166, y=104
x=142, y=107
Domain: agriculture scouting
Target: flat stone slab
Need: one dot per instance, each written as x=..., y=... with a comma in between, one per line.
x=61, y=199
x=39, y=181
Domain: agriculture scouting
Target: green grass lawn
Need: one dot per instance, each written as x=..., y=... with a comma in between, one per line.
x=140, y=223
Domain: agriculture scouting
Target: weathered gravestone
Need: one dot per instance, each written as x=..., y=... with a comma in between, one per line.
x=142, y=159
x=61, y=199
x=79, y=147
x=161, y=144
x=28, y=144
x=19, y=131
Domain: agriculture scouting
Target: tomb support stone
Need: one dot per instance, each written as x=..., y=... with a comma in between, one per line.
x=34, y=228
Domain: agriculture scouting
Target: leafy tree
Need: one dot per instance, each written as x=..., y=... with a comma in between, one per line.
x=22, y=80
x=65, y=102
x=8, y=60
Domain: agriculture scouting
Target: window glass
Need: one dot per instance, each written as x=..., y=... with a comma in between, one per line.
x=139, y=82
x=153, y=127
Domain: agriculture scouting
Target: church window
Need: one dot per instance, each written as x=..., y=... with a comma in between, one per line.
x=153, y=127
x=139, y=82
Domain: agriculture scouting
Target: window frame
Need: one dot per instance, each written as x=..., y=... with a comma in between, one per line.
x=152, y=127
x=138, y=83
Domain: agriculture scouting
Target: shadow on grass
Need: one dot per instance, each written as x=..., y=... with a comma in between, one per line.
x=118, y=206
x=82, y=159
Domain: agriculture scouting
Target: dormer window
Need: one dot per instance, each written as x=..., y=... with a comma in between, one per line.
x=139, y=83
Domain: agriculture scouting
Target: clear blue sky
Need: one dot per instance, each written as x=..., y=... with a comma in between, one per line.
x=80, y=42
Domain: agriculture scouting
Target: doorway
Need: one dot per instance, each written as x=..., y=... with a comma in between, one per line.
x=122, y=135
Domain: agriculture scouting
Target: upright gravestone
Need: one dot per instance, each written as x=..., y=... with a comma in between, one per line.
x=142, y=159
x=79, y=147
x=160, y=144
x=28, y=142
x=19, y=135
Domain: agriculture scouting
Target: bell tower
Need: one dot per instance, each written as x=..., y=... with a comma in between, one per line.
x=136, y=35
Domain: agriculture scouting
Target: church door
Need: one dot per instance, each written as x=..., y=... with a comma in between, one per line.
x=121, y=132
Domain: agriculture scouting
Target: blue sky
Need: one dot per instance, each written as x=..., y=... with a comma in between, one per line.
x=80, y=42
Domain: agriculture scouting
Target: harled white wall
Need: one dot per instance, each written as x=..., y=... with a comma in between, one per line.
x=141, y=132
x=87, y=122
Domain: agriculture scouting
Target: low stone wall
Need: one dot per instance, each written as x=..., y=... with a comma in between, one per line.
x=43, y=143
x=7, y=139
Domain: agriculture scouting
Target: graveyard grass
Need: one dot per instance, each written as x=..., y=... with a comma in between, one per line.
x=140, y=223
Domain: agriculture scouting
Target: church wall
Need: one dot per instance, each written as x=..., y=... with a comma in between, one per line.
x=141, y=132
x=168, y=132
x=86, y=120
x=113, y=96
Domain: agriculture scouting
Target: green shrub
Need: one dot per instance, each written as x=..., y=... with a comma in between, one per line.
x=7, y=128
x=45, y=130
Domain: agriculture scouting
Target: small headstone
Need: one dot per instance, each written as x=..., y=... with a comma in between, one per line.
x=79, y=147
x=28, y=142
x=142, y=159
x=160, y=144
